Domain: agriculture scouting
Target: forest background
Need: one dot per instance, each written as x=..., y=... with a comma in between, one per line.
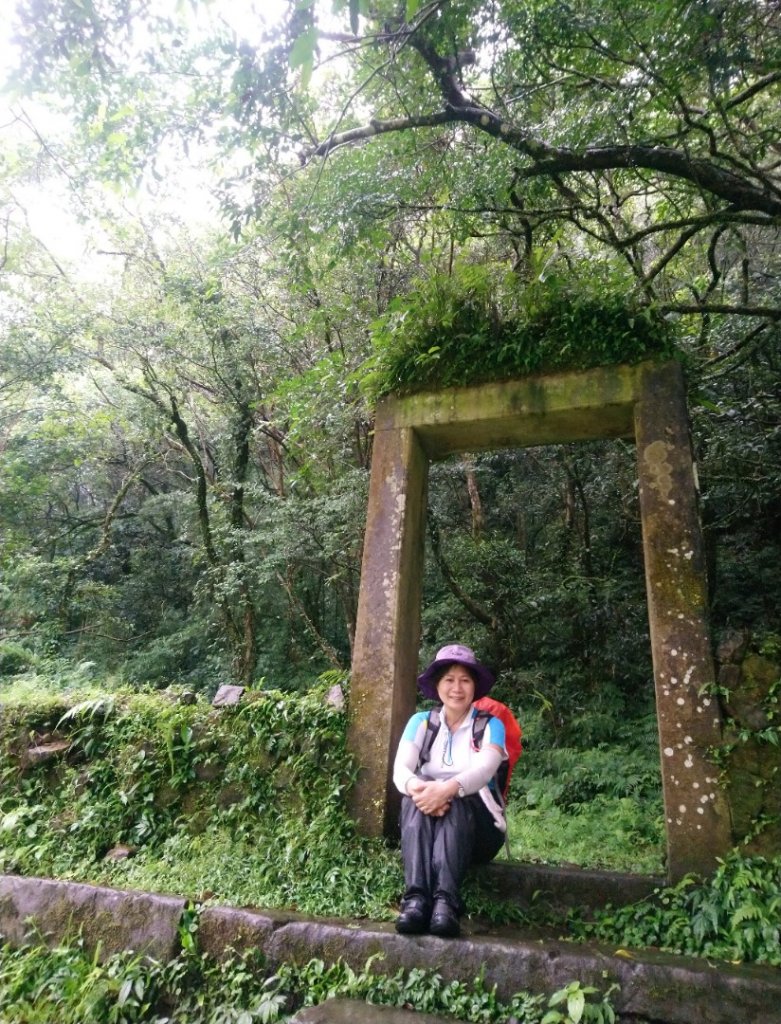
x=400, y=191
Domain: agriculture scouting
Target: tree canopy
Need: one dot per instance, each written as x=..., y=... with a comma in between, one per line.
x=186, y=443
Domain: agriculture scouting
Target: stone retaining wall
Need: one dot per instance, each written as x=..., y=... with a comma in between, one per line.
x=656, y=988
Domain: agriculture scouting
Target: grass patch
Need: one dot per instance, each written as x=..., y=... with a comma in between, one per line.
x=608, y=833
x=470, y=327
x=596, y=806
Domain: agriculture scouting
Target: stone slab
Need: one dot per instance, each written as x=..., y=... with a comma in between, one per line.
x=222, y=927
x=653, y=986
x=111, y=919
x=227, y=696
x=562, y=888
x=353, y=1011
x=47, y=751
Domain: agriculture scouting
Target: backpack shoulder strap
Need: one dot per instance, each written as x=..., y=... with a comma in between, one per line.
x=499, y=783
x=479, y=723
x=433, y=723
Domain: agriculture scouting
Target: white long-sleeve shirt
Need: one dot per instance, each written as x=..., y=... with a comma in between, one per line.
x=452, y=755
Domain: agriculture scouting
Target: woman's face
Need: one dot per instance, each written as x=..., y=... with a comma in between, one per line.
x=456, y=690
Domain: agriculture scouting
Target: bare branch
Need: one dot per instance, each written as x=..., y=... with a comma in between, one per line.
x=769, y=312
x=376, y=127
x=752, y=90
x=673, y=251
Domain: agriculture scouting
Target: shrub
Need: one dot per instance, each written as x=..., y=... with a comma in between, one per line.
x=15, y=658
x=64, y=984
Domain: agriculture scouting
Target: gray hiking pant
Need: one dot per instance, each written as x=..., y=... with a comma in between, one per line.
x=438, y=851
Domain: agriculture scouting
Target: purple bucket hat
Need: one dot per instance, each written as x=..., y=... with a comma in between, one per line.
x=454, y=654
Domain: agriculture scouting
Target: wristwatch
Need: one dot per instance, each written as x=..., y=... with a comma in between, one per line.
x=460, y=792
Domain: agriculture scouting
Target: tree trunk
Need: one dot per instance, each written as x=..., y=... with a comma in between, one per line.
x=478, y=519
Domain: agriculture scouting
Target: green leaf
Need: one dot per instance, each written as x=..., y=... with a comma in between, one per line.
x=302, y=53
x=576, y=1003
x=116, y=140
x=124, y=992
x=552, y=1017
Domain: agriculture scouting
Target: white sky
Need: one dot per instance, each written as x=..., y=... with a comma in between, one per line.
x=48, y=205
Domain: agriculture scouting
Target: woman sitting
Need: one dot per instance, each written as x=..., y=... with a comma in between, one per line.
x=449, y=816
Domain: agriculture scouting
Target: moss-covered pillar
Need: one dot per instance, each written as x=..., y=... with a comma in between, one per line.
x=387, y=636
x=697, y=818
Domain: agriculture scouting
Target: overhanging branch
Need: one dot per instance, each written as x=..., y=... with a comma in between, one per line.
x=376, y=127
x=706, y=174
x=768, y=312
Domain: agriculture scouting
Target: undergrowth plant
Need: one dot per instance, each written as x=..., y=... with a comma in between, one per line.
x=245, y=801
x=246, y=805
x=735, y=915
x=65, y=984
x=38, y=985
x=598, y=804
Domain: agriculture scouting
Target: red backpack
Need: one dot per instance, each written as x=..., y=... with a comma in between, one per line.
x=512, y=739
x=487, y=708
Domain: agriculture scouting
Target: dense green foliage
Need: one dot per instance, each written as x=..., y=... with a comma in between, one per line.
x=67, y=985
x=469, y=328
x=590, y=800
x=200, y=532
x=196, y=794
x=39, y=985
x=185, y=447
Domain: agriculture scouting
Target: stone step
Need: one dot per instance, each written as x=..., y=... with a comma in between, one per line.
x=355, y=1011
x=651, y=986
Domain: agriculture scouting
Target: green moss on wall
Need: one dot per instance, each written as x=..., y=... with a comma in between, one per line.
x=750, y=690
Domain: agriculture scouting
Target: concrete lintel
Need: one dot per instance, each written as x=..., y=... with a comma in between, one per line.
x=550, y=409
x=607, y=423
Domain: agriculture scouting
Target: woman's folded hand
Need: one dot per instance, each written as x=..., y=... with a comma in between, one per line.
x=433, y=797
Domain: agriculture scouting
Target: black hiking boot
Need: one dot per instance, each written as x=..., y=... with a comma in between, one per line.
x=444, y=920
x=414, y=917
